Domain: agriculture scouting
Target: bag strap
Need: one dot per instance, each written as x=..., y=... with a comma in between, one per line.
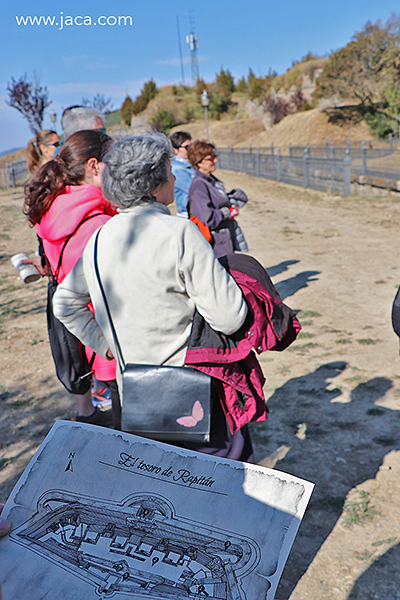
x=57, y=271
x=114, y=333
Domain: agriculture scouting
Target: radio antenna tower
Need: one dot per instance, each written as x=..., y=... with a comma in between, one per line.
x=191, y=39
x=180, y=51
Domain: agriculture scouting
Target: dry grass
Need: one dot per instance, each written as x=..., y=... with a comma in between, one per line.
x=14, y=156
x=311, y=126
x=314, y=126
x=224, y=133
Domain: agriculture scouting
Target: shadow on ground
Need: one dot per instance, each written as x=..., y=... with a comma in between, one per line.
x=336, y=445
x=380, y=580
x=290, y=286
x=281, y=268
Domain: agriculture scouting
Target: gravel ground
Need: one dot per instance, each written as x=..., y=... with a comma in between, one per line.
x=334, y=395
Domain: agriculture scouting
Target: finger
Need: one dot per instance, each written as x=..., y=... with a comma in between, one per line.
x=5, y=527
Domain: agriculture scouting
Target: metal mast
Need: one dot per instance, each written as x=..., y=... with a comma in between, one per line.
x=191, y=39
x=180, y=51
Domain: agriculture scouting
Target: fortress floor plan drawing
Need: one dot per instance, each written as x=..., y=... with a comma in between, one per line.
x=100, y=514
x=139, y=547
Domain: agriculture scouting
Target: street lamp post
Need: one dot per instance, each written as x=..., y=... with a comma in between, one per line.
x=205, y=102
x=53, y=117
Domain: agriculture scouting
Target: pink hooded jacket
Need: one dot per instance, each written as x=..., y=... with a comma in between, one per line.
x=231, y=360
x=67, y=211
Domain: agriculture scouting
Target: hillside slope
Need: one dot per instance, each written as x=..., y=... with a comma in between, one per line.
x=224, y=133
x=312, y=126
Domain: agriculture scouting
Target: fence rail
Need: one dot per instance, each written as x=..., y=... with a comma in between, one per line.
x=329, y=168
x=332, y=175
x=326, y=168
x=14, y=174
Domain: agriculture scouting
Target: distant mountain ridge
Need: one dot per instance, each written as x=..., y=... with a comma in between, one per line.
x=10, y=151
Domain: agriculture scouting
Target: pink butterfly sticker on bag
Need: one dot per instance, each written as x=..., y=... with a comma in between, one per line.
x=196, y=417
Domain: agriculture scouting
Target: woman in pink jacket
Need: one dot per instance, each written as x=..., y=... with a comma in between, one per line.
x=63, y=193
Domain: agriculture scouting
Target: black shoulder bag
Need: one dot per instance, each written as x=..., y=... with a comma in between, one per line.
x=396, y=313
x=171, y=404
x=73, y=368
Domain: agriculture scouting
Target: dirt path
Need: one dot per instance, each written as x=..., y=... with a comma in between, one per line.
x=334, y=395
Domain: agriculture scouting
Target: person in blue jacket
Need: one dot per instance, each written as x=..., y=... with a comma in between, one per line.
x=183, y=171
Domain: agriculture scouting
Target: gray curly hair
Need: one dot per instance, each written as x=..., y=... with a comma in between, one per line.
x=135, y=167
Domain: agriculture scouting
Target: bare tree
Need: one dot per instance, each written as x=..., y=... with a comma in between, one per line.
x=99, y=102
x=278, y=107
x=30, y=99
x=297, y=99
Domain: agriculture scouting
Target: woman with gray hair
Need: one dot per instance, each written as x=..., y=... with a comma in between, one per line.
x=156, y=270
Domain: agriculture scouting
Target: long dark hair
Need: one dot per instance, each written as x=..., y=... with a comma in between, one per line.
x=67, y=168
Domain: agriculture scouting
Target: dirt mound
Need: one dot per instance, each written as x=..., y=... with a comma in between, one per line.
x=313, y=126
x=224, y=133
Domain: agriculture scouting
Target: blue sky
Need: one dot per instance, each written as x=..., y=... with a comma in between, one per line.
x=76, y=61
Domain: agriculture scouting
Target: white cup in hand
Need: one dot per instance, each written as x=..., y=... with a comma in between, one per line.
x=28, y=273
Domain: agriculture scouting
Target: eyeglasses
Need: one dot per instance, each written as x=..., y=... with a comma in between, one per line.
x=55, y=144
x=211, y=157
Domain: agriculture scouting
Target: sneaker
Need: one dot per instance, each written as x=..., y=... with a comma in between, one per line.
x=99, y=417
x=101, y=397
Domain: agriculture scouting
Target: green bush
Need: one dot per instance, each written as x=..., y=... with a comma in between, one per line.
x=188, y=113
x=306, y=106
x=259, y=87
x=220, y=104
x=200, y=87
x=139, y=105
x=380, y=117
x=241, y=86
x=380, y=125
x=127, y=110
x=162, y=121
x=224, y=82
x=221, y=98
x=148, y=92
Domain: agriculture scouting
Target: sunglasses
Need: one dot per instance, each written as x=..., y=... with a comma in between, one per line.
x=186, y=146
x=55, y=144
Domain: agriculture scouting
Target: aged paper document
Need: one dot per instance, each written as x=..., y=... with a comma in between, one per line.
x=104, y=514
